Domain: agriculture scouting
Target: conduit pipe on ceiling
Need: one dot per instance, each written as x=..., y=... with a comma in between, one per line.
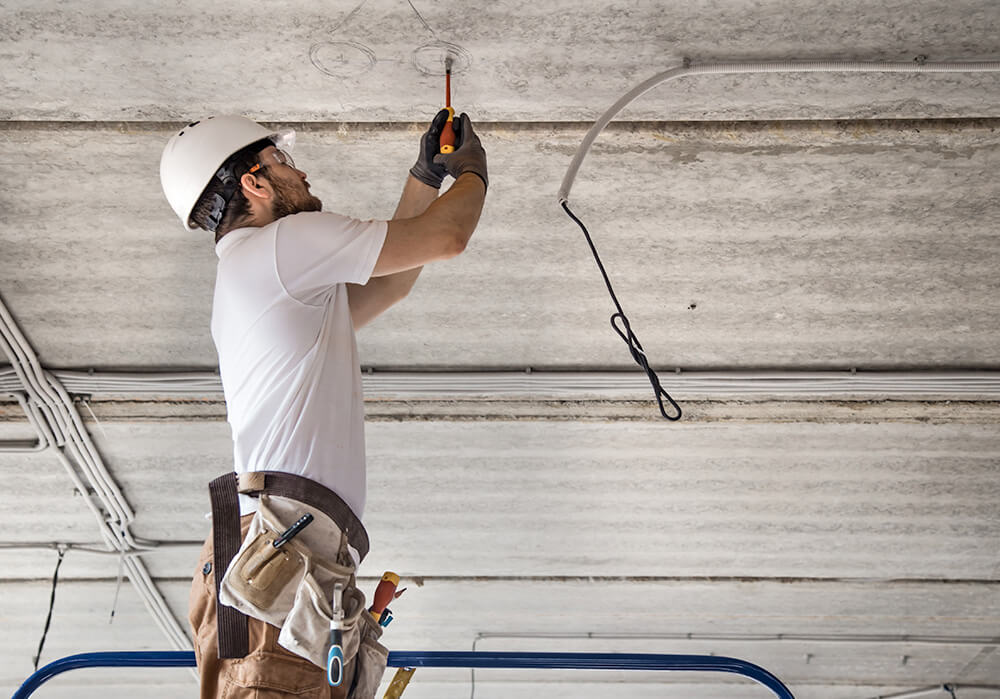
x=904, y=639
x=758, y=638
x=919, y=65
x=45, y=429
x=162, y=547
x=72, y=435
x=15, y=446
x=939, y=689
x=59, y=424
x=601, y=385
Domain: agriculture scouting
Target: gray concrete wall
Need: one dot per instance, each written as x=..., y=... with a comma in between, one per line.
x=821, y=245
x=792, y=222
x=529, y=61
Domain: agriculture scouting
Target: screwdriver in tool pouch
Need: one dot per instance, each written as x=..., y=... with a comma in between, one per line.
x=447, y=139
x=335, y=658
x=293, y=530
x=385, y=593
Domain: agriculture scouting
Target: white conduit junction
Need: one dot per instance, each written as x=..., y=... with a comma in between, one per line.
x=917, y=66
x=50, y=410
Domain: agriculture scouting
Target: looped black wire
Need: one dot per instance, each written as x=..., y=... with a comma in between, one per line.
x=625, y=331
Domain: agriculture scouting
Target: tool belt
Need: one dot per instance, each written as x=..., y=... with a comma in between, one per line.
x=291, y=587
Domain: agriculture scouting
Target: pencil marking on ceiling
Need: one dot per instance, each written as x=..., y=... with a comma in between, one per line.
x=350, y=58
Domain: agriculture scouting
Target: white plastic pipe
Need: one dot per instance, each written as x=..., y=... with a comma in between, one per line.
x=13, y=446
x=50, y=408
x=941, y=690
x=917, y=66
x=577, y=385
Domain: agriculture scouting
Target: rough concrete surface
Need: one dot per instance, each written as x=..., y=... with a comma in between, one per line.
x=558, y=61
x=764, y=245
x=793, y=500
x=799, y=223
x=624, y=617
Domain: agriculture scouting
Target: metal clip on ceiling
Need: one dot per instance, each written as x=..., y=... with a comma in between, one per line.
x=919, y=65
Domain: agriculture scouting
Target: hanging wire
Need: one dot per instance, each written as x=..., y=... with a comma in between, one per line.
x=619, y=321
x=118, y=585
x=86, y=404
x=52, y=603
x=951, y=690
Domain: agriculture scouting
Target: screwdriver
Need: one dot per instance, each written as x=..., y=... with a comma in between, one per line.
x=335, y=656
x=385, y=593
x=447, y=139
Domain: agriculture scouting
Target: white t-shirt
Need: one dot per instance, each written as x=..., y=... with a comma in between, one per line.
x=287, y=354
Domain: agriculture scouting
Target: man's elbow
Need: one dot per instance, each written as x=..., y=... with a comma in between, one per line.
x=457, y=240
x=402, y=292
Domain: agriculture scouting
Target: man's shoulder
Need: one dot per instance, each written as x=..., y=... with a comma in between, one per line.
x=323, y=229
x=311, y=219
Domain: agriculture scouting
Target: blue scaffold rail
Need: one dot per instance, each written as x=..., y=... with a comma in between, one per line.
x=477, y=659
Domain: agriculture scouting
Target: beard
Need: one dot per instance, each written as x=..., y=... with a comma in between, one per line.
x=290, y=200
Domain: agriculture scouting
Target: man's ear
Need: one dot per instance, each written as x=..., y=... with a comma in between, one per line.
x=256, y=188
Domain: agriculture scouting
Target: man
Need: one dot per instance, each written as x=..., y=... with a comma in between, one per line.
x=293, y=284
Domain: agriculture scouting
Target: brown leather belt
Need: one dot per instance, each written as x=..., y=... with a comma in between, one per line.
x=234, y=638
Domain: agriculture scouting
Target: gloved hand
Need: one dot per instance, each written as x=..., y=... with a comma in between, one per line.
x=425, y=169
x=469, y=155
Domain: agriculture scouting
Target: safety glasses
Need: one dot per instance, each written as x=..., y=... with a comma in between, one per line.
x=280, y=156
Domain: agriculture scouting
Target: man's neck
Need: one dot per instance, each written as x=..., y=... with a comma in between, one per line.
x=256, y=221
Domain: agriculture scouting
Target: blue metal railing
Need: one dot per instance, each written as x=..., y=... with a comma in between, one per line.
x=564, y=661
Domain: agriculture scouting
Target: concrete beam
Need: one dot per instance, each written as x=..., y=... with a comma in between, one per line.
x=795, y=245
x=526, y=60
x=626, y=616
x=903, y=500
x=486, y=410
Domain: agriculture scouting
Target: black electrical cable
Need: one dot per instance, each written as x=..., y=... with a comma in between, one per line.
x=52, y=603
x=625, y=330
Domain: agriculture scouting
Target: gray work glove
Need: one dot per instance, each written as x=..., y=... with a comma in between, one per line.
x=469, y=155
x=425, y=169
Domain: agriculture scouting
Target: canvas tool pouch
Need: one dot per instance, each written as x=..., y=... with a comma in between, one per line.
x=291, y=587
x=370, y=658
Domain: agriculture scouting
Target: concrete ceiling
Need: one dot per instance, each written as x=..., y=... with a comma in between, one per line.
x=765, y=234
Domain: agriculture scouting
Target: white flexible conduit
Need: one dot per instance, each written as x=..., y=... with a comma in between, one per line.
x=573, y=385
x=918, y=66
x=18, y=447
x=50, y=410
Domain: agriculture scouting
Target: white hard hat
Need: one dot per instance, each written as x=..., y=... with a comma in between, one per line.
x=193, y=156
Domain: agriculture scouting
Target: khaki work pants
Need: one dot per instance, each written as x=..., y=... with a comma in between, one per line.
x=268, y=671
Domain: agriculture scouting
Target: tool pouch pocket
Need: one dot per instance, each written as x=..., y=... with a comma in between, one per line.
x=292, y=587
x=370, y=659
x=261, y=580
x=306, y=631
x=262, y=572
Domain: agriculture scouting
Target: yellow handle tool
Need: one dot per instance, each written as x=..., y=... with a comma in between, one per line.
x=448, y=132
x=399, y=682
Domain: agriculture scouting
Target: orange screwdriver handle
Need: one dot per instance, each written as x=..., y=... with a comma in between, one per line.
x=447, y=139
x=384, y=594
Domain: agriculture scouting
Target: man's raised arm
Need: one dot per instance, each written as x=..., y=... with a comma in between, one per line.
x=425, y=228
x=444, y=229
